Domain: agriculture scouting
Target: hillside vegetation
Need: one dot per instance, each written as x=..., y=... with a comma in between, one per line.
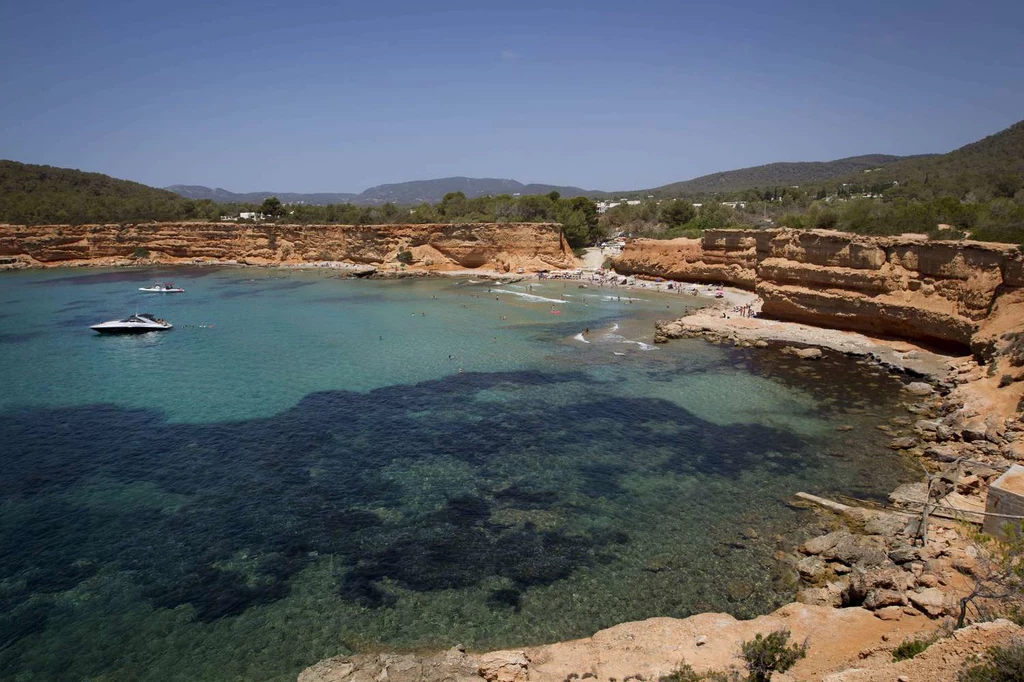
x=782, y=174
x=34, y=195
x=990, y=168
x=977, y=190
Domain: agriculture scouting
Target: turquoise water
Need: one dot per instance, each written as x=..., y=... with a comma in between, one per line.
x=308, y=466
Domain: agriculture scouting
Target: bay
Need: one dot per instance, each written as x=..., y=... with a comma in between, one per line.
x=306, y=466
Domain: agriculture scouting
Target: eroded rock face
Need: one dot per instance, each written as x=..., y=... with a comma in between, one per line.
x=453, y=666
x=505, y=247
x=903, y=286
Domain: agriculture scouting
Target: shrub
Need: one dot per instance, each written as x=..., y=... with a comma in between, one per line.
x=683, y=231
x=911, y=647
x=1016, y=348
x=793, y=220
x=767, y=655
x=405, y=257
x=684, y=672
x=999, y=576
x=140, y=253
x=1005, y=380
x=1003, y=664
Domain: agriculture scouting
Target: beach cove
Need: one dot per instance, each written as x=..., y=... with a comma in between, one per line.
x=341, y=485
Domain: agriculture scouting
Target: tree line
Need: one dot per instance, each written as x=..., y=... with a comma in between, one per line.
x=578, y=216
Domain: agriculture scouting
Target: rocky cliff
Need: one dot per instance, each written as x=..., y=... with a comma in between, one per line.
x=503, y=247
x=908, y=286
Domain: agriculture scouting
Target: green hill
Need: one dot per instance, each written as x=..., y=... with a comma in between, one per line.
x=783, y=174
x=34, y=195
x=989, y=168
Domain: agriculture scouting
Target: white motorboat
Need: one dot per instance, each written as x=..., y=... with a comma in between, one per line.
x=139, y=323
x=163, y=288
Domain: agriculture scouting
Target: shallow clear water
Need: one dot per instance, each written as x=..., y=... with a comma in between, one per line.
x=307, y=466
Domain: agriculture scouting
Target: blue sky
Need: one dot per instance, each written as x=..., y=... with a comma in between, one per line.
x=338, y=96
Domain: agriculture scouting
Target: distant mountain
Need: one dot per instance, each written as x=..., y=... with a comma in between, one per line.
x=432, y=191
x=415, y=192
x=781, y=174
x=225, y=197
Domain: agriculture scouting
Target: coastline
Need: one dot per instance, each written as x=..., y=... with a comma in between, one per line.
x=848, y=642
x=614, y=650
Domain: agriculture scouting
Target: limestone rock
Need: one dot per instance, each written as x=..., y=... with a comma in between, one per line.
x=505, y=667
x=975, y=430
x=812, y=568
x=857, y=550
x=942, y=453
x=824, y=542
x=888, y=525
x=931, y=601
x=830, y=595
x=889, y=613
x=501, y=247
x=904, y=554
x=880, y=598
x=808, y=353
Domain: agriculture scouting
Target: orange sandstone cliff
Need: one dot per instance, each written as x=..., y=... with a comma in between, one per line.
x=952, y=293
x=504, y=247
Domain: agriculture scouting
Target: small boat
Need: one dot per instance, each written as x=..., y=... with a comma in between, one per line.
x=139, y=323
x=162, y=288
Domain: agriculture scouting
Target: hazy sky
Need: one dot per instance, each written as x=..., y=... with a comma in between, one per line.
x=339, y=96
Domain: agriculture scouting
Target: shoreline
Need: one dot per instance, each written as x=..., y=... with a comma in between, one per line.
x=849, y=642
x=606, y=650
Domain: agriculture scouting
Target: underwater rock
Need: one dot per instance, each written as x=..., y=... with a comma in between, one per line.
x=738, y=590
x=824, y=542
x=919, y=388
x=903, y=443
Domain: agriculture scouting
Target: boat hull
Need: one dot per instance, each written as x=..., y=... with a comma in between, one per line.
x=128, y=330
